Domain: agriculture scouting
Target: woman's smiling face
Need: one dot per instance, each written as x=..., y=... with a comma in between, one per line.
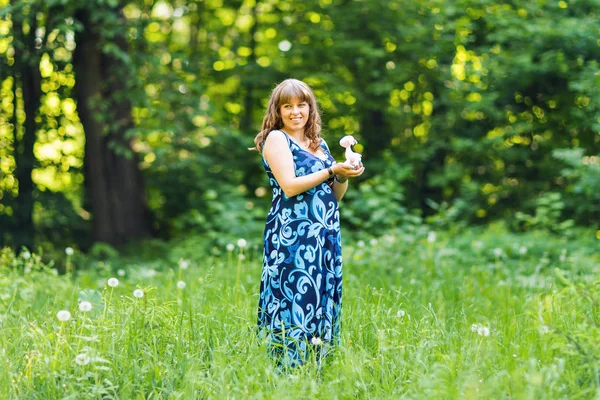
x=294, y=115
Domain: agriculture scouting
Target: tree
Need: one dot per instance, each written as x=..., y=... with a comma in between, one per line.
x=104, y=73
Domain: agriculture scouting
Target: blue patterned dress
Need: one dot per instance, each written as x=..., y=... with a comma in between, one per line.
x=301, y=282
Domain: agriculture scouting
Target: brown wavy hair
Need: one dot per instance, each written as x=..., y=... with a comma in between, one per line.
x=283, y=94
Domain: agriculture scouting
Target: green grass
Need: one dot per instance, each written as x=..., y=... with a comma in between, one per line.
x=411, y=309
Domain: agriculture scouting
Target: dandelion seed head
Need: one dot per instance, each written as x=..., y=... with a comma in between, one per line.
x=184, y=264
x=121, y=272
x=230, y=247
x=316, y=341
x=242, y=257
x=431, y=237
x=544, y=330
x=373, y=242
x=242, y=243
x=497, y=252
x=401, y=313
x=181, y=285
x=361, y=243
x=26, y=255
x=522, y=250
x=483, y=331
x=139, y=293
x=474, y=327
x=69, y=251
x=63, y=315
x=82, y=359
x=113, y=282
x=85, y=306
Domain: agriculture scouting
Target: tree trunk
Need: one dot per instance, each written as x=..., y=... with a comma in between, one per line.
x=114, y=185
x=27, y=69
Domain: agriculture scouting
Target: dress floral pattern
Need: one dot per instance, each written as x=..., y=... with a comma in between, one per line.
x=301, y=282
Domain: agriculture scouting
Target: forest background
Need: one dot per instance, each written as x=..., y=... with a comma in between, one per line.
x=124, y=120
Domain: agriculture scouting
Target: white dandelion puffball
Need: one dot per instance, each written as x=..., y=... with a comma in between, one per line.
x=85, y=306
x=544, y=330
x=316, y=341
x=401, y=313
x=483, y=331
x=113, y=282
x=431, y=237
x=121, y=272
x=69, y=251
x=184, y=264
x=474, y=327
x=82, y=359
x=230, y=247
x=373, y=242
x=242, y=257
x=181, y=285
x=242, y=243
x=523, y=250
x=26, y=255
x=63, y=315
x=497, y=252
x=139, y=293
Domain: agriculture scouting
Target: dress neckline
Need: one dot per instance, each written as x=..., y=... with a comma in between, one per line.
x=307, y=151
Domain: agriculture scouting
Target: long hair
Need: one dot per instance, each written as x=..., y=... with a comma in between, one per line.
x=282, y=94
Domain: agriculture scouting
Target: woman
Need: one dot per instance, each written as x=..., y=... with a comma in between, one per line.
x=301, y=282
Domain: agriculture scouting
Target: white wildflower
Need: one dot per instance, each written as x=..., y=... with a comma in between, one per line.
x=113, y=282
x=483, y=331
x=544, y=330
x=361, y=243
x=82, y=359
x=184, y=264
x=497, y=252
x=431, y=237
x=242, y=243
x=230, y=247
x=316, y=341
x=69, y=251
x=401, y=313
x=26, y=255
x=63, y=315
x=522, y=250
x=373, y=242
x=121, y=272
x=474, y=327
x=242, y=257
x=181, y=285
x=139, y=293
x=85, y=306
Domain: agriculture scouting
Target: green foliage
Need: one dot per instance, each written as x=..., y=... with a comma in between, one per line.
x=447, y=316
x=548, y=211
x=476, y=99
x=582, y=183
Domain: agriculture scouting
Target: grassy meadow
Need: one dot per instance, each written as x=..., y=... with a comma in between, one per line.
x=474, y=314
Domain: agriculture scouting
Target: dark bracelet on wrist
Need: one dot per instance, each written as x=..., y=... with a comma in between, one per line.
x=340, y=180
x=330, y=171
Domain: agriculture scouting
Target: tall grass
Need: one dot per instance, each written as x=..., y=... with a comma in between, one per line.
x=476, y=315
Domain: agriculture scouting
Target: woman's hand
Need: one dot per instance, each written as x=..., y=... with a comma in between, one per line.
x=345, y=171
